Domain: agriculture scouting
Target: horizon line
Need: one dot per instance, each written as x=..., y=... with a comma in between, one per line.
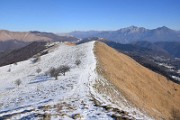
x=48, y=31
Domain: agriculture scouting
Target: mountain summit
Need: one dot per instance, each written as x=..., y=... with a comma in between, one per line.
x=132, y=28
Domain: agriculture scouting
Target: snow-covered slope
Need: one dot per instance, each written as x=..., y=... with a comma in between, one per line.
x=71, y=96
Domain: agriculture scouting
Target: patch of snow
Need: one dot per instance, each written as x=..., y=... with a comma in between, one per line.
x=166, y=65
x=176, y=77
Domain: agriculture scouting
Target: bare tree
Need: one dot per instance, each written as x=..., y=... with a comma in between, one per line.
x=9, y=70
x=77, y=62
x=63, y=69
x=54, y=72
x=18, y=82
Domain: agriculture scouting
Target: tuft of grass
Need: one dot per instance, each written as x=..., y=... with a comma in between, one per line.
x=36, y=59
x=38, y=70
x=175, y=113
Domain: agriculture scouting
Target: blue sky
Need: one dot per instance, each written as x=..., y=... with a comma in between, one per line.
x=70, y=15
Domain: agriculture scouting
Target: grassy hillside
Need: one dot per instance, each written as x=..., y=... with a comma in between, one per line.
x=147, y=90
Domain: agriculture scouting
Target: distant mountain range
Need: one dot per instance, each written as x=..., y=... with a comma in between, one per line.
x=13, y=40
x=132, y=34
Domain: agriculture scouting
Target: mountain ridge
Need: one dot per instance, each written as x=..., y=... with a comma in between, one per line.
x=67, y=96
x=106, y=84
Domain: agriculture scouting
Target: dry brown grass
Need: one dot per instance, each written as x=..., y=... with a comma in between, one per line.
x=70, y=43
x=145, y=89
